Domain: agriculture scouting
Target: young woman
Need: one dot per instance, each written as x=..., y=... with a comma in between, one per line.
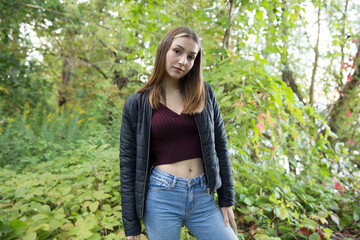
x=173, y=150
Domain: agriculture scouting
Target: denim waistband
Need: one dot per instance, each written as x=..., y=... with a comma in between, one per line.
x=179, y=181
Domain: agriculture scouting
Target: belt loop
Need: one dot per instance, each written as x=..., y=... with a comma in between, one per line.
x=173, y=184
x=203, y=182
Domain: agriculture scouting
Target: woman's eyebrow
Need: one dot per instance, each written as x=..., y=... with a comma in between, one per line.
x=184, y=48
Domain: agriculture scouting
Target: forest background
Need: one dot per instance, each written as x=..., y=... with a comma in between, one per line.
x=286, y=75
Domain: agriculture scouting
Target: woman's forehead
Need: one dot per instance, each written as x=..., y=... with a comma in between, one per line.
x=187, y=44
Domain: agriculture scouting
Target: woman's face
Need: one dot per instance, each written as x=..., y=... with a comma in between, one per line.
x=180, y=57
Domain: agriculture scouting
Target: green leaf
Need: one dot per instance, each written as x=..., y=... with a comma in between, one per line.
x=259, y=15
x=44, y=227
x=107, y=208
x=94, y=206
x=281, y=212
x=311, y=224
x=247, y=201
x=355, y=217
x=314, y=236
x=248, y=218
x=252, y=189
x=328, y=232
x=67, y=226
x=54, y=224
x=18, y=225
x=298, y=114
x=38, y=217
x=100, y=195
x=265, y=237
x=225, y=99
x=264, y=61
x=334, y=205
x=30, y=236
x=65, y=190
x=38, y=192
x=335, y=219
x=45, y=209
x=323, y=214
x=285, y=228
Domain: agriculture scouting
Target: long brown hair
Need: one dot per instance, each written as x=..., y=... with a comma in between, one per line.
x=191, y=85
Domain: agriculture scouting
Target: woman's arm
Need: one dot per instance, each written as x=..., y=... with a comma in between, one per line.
x=226, y=195
x=131, y=222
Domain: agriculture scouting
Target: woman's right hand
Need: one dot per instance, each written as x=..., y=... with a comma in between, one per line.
x=137, y=237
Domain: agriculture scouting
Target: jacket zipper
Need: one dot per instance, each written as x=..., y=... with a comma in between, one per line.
x=206, y=174
x=147, y=166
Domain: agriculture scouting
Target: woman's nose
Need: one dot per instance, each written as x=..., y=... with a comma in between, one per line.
x=182, y=60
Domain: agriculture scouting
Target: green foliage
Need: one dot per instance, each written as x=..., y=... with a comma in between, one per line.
x=40, y=135
x=74, y=196
x=21, y=80
x=275, y=202
x=294, y=177
x=282, y=165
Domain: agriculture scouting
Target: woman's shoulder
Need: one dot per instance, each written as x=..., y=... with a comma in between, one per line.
x=207, y=85
x=208, y=89
x=135, y=99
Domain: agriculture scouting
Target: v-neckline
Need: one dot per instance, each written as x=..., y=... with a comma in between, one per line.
x=175, y=113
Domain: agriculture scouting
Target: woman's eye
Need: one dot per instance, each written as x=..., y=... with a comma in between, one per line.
x=191, y=58
x=177, y=51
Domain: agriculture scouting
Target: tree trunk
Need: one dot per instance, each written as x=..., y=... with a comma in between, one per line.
x=66, y=78
x=345, y=95
x=228, y=30
x=287, y=75
x=342, y=44
x=316, y=49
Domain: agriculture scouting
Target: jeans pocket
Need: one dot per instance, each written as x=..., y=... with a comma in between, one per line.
x=158, y=184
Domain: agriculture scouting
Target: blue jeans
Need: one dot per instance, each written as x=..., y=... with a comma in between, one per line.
x=172, y=201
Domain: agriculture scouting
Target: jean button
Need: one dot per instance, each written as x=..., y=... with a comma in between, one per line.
x=191, y=181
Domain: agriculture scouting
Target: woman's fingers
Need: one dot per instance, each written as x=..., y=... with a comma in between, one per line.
x=229, y=217
x=225, y=215
x=233, y=224
x=137, y=237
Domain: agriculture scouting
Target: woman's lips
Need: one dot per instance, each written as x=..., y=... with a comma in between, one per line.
x=178, y=69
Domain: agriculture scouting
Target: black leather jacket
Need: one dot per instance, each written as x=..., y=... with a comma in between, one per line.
x=135, y=164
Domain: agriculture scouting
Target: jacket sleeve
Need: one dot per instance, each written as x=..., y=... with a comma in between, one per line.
x=226, y=195
x=131, y=222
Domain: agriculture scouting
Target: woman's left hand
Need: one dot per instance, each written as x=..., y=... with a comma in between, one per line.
x=229, y=217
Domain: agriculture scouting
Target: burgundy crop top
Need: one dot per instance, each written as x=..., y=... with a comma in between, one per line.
x=173, y=137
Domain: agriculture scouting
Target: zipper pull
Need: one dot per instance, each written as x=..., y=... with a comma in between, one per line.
x=208, y=190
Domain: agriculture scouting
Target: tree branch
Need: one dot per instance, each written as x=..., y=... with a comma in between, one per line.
x=342, y=44
x=316, y=49
x=228, y=30
x=94, y=66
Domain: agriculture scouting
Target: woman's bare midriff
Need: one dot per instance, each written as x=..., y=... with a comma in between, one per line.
x=189, y=168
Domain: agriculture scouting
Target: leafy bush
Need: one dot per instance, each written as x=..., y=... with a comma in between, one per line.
x=283, y=165
x=274, y=202
x=74, y=196
x=40, y=135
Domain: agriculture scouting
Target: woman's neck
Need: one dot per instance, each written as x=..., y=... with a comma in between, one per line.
x=171, y=85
